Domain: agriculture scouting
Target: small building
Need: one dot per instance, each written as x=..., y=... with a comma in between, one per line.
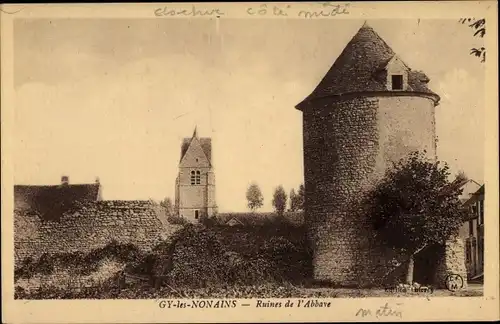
x=195, y=183
x=234, y=222
x=473, y=233
x=469, y=188
x=50, y=201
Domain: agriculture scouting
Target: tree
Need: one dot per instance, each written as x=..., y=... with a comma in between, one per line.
x=254, y=197
x=297, y=199
x=301, y=197
x=293, y=200
x=279, y=200
x=415, y=205
x=479, y=28
x=167, y=204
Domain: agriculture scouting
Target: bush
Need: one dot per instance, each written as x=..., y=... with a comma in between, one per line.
x=26, y=269
x=111, y=290
x=251, y=272
x=45, y=265
x=198, y=256
x=176, y=220
x=209, y=221
x=78, y=262
x=197, y=259
x=291, y=261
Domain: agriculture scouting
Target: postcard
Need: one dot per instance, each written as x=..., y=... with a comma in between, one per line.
x=249, y=162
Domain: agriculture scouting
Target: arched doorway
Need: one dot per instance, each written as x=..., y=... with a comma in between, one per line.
x=426, y=262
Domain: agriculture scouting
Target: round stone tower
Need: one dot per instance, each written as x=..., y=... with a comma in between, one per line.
x=369, y=110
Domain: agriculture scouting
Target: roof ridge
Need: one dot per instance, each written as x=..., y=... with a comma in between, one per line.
x=476, y=182
x=58, y=185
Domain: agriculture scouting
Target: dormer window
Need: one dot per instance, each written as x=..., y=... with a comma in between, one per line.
x=397, y=81
x=397, y=75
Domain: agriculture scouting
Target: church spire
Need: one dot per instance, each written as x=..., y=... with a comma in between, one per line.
x=195, y=133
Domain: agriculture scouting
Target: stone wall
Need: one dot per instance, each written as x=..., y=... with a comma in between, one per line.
x=452, y=263
x=89, y=226
x=340, y=152
x=348, y=145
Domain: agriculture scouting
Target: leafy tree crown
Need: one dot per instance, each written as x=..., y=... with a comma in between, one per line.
x=254, y=197
x=416, y=204
x=279, y=199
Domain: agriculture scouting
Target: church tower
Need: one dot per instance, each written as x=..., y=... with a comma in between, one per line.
x=368, y=111
x=195, y=183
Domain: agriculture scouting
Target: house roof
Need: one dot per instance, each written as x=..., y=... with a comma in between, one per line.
x=234, y=221
x=358, y=68
x=205, y=142
x=53, y=199
x=475, y=196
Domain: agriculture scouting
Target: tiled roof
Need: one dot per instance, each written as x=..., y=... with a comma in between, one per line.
x=358, y=68
x=48, y=200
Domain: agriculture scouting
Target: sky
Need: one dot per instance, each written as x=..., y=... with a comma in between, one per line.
x=113, y=98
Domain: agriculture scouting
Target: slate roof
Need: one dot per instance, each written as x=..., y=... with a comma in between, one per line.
x=206, y=145
x=358, y=69
x=47, y=200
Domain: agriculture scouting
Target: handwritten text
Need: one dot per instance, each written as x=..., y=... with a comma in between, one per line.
x=192, y=12
x=383, y=311
x=326, y=10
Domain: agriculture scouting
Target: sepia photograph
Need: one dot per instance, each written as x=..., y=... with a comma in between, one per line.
x=204, y=159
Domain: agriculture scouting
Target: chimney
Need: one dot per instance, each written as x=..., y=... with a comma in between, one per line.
x=97, y=181
x=64, y=180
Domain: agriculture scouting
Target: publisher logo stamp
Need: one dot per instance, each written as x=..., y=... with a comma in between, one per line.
x=454, y=282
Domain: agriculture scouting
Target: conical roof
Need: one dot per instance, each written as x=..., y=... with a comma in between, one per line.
x=357, y=69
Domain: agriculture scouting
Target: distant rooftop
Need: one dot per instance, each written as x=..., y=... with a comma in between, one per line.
x=52, y=199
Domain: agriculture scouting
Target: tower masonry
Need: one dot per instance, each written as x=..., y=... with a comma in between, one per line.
x=368, y=111
x=195, y=183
